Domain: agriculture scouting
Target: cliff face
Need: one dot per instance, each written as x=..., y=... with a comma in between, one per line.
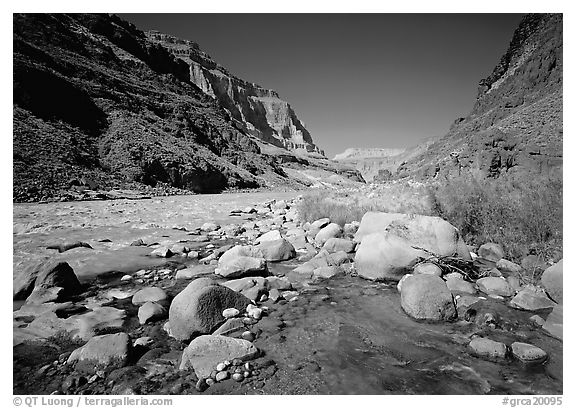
x=97, y=105
x=515, y=126
x=259, y=111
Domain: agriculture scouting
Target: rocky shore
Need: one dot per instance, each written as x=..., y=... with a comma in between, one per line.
x=266, y=303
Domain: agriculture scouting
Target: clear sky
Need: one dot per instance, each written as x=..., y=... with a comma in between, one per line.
x=355, y=80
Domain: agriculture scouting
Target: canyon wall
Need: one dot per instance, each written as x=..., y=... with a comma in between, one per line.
x=260, y=111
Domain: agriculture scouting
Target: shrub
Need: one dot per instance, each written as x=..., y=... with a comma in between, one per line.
x=524, y=216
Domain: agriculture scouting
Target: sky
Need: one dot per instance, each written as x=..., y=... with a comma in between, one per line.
x=355, y=80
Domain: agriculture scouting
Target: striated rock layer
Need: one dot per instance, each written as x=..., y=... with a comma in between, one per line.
x=515, y=126
x=98, y=106
x=261, y=111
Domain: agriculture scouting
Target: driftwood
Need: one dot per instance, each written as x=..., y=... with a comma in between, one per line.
x=453, y=264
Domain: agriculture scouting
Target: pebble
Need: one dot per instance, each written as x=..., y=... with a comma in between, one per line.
x=248, y=335
x=230, y=312
x=247, y=366
x=236, y=362
x=210, y=382
x=221, y=367
x=126, y=278
x=237, y=377
x=246, y=374
x=143, y=341
x=221, y=376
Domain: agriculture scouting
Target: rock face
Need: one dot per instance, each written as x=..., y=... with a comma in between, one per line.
x=515, y=126
x=204, y=353
x=260, y=110
x=131, y=114
x=198, y=308
x=426, y=297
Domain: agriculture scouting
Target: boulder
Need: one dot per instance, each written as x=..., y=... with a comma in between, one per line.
x=106, y=352
x=554, y=323
x=494, y=286
x=327, y=272
x=486, y=348
x=162, y=252
x=275, y=250
x=198, y=308
x=508, y=267
x=339, y=244
x=275, y=282
x=209, y=227
x=269, y=236
x=427, y=268
x=24, y=280
x=298, y=241
x=552, y=281
x=384, y=256
x=401, y=282
x=491, y=251
x=194, y=271
x=431, y=233
x=426, y=297
x=204, y=353
x=56, y=274
x=242, y=284
x=45, y=295
x=149, y=294
x=320, y=223
x=531, y=298
x=528, y=354
x=150, y=311
x=459, y=285
x=330, y=231
x=241, y=266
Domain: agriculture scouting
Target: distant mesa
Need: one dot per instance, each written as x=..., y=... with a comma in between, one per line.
x=355, y=153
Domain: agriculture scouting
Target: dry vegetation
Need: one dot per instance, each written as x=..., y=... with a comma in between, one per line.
x=525, y=217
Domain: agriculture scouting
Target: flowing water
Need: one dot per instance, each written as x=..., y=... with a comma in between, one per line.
x=344, y=335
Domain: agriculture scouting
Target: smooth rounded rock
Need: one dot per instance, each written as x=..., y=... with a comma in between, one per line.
x=330, y=231
x=204, y=353
x=230, y=312
x=552, y=280
x=150, y=294
x=427, y=268
x=151, y=311
x=486, y=348
x=527, y=353
x=198, y=308
x=426, y=297
x=491, y=251
x=494, y=286
x=108, y=351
